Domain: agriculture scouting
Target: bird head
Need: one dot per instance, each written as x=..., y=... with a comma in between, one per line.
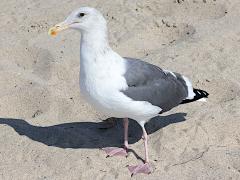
x=85, y=19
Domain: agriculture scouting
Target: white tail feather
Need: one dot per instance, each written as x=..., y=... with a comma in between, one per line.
x=191, y=94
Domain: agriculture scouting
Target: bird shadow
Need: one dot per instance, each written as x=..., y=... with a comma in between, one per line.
x=88, y=134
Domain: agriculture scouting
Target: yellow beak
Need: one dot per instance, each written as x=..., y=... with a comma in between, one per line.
x=57, y=28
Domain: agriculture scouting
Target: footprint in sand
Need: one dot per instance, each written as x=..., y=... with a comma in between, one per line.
x=199, y=9
x=152, y=35
x=41, y=62
x=158, y=27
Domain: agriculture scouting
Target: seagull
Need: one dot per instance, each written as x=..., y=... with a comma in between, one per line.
x=123, y=87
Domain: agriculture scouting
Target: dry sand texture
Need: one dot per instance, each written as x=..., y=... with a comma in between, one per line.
x=47, y=131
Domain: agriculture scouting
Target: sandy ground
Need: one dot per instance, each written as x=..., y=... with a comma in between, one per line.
x=47, y=131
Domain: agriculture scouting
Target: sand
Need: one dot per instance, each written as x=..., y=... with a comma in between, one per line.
x=48, y=131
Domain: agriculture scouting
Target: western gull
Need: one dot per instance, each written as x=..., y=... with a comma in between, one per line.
x=123, y=87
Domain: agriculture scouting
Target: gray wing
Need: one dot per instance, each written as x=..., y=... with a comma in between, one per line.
x=147, y=82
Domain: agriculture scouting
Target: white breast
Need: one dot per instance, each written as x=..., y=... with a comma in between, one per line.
x=101, y=82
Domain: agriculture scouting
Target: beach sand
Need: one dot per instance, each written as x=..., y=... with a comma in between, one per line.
x=48, y=131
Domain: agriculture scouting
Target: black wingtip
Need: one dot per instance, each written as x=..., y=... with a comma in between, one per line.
x=198, y=95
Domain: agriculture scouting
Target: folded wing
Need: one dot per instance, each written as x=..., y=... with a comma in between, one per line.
x=147, y=82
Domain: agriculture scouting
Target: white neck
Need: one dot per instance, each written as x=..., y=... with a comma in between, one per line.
x=94, y=44
x=94, y=41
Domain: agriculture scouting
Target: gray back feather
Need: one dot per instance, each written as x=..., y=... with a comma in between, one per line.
x=147, y=82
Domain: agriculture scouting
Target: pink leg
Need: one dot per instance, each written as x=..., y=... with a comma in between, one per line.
x=142, y=168
x=125, y=125
x=114, y=151
x=145, y=138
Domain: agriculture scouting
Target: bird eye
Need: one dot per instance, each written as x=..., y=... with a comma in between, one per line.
x=81, y=14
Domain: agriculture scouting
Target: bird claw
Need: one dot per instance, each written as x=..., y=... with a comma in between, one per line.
x=142, y=168
x=113, y=151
